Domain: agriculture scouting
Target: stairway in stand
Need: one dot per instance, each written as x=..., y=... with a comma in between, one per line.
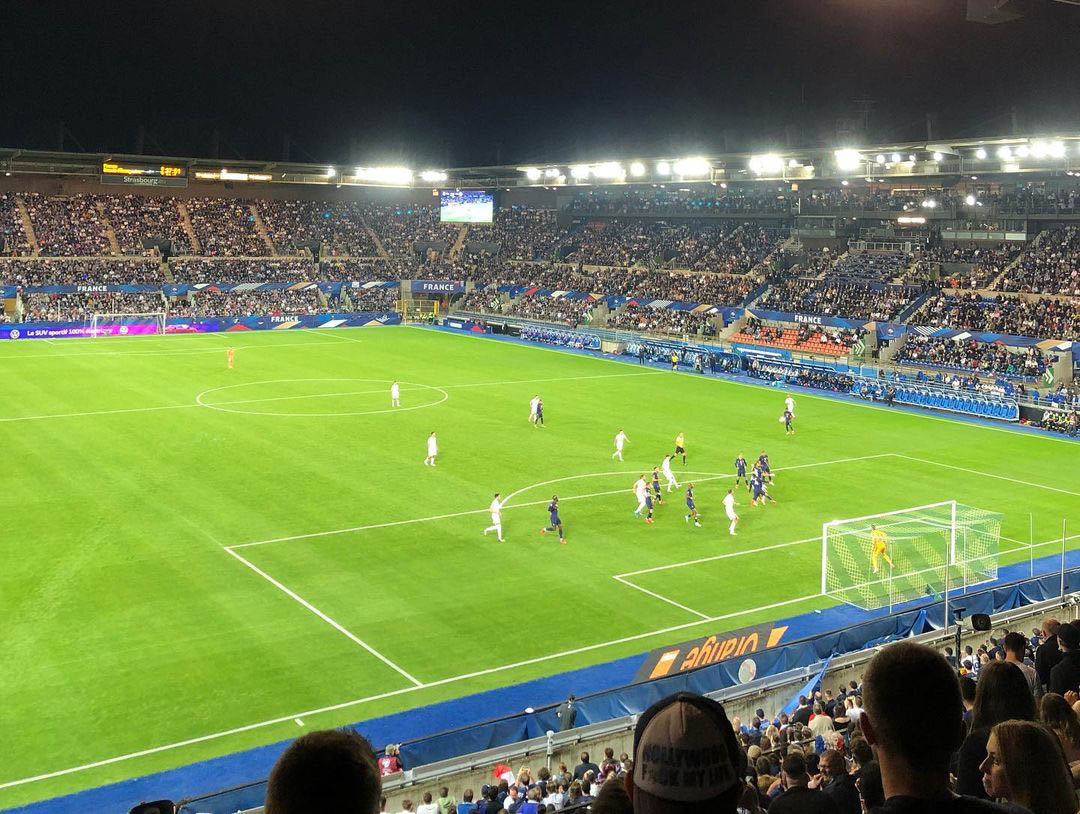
x=28, y=227
x=189, y=230
x=260, y=227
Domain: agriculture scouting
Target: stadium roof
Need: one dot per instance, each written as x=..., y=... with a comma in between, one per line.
x=937, y=161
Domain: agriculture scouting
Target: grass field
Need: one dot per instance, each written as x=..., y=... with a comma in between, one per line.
x=199, y=554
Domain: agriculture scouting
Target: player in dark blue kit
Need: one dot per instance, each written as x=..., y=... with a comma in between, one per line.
x=556, y=523
x=758, y=490
x=787, y=422
x=740, y=471
x=691, y=506
x=763, y=462
x=539, y=413
x=657, y=494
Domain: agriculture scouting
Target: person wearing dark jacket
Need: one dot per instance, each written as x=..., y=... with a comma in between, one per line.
x=837, y=783
x=798, y=797
x=1048, y=653
x=1001, y=694
x=1065, y=675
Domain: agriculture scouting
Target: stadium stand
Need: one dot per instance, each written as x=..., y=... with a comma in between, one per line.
x=136, y=219
x=972, y=355
x=226, y=227
x=656, y=320
x=806, y=339
x=66, y=225
x=338, y=227
x=77, y=271
x=838, y=297
x=1044, y=317
x=276, y=270
x=1051, y=267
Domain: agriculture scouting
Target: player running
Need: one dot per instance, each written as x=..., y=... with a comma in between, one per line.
x=758, y=490
x=740, y=471
x=729, y=509
x=665, y=467
x=879, y=548
x=788, y=418
x=621, y=439
x=395, y=395
x=641, y=492
x=496, y=517
x=230, y=354
x=789, y=405
x=691, y=507
x=763, y=463
x=553, y=517
x=657, y=492
x=432, y=450
x=680, y=447
x=539, y=422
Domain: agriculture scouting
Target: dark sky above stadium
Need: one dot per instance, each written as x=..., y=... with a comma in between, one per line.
x=457, y=83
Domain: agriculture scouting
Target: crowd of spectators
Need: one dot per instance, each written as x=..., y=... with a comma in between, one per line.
x=1052, y=266
x=549, y=309
x=270, y=270
x=13, y=239
x=662, y=320
x=225, y=227
x=852, y=299
x=803, y=334
x=972, y=355
x=910, y=736
x=77, y=271
x=401, y=228
x=374, y=299
x=987, y=262
x=137, y=218
x=81, y=306
x=878, y=266
x=247, y=303
x=339, y=227
x=665, y=202
x=67, y=226
x=1043, y=318
x=523, y=233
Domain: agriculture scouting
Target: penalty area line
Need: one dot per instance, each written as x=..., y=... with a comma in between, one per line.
x=292, y=718
x=337, y=626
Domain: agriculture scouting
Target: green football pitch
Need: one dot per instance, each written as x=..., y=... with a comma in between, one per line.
x=198, y=560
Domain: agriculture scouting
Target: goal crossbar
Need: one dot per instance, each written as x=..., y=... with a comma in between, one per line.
x=101, y=318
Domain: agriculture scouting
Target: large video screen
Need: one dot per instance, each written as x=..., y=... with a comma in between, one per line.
x=466, y=206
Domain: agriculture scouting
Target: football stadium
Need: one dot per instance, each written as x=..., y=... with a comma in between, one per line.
x=650, y=479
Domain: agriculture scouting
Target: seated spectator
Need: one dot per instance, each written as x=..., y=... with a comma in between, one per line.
x=1024, y=765
x=798, y=796
x=698, y=727
x=913, y=720
x=332, y=770
x=1001, y=694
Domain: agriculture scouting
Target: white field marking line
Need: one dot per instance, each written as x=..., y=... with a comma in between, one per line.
x=328, y=415
x=183, y=352
x=332, y=532
x=728, y=555
x=454, y=514
x=338, y=627
x=802, y=393
x=662, y=598
x=987, y=474
x=298, y=722
x=327, y=332
x=392, y=693
x=221, y=406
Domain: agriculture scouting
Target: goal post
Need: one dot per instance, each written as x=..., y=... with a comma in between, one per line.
x=886, y=559
x=130, y=323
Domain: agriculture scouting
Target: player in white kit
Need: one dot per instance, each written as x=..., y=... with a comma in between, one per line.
x=533, y=402
x=620, y=441
x=789, y=403
x=729, y=508
x=665, y=467
x=641, y=492
x=395, y=395
x=432, y=450
x=496, y=517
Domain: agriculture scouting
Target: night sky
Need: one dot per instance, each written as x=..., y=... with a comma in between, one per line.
x=472, y=83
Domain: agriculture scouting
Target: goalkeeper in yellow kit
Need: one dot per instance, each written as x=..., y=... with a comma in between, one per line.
x=879, y=548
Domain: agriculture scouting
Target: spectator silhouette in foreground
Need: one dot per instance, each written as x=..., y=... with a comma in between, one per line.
x=676, y=733
x=332, y=770
x=1001, y=694
x=1025, y=765
x=913, y=719
x=1065, y=675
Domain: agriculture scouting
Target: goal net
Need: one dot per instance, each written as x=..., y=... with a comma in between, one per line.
x=883, y=560
x=128, y=324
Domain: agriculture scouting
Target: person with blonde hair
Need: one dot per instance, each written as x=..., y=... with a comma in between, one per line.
x=1025, y=765
x=1055, y=712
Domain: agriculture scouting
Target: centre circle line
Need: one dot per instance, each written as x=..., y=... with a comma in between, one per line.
x=221, y=406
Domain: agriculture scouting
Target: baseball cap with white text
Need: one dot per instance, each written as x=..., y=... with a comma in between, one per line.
x=686, y=757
